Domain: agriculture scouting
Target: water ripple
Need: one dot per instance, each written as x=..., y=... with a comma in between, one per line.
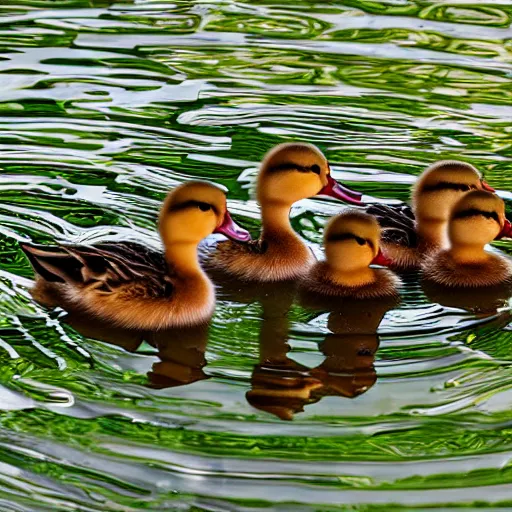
x=105, y=107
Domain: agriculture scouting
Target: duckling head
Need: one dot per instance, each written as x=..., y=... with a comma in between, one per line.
x=476, y=219
x=441, y=185
x=194, y=210
x=351, y=241
x=294, y=171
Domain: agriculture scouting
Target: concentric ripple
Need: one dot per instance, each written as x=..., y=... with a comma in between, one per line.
x=105, y=106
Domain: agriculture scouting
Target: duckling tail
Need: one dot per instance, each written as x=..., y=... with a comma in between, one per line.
x=52, y=263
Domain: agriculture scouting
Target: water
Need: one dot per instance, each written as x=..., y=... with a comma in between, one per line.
x=105, y=106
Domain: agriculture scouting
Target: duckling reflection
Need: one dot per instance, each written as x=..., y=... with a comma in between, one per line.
x=350, y=348
x=283, y=387
x=279, y=385
x=181, y=351
x=485, y=301
x=182, y=356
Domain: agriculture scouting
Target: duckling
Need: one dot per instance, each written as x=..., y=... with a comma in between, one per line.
x=475, y=221
x=409, y=234
x=289, y=172
x=132, y=286
x=351, y=242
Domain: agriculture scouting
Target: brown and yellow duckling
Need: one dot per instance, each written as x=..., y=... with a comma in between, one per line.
x=351, y=242
x=132, y=286
x=411, y=233
x=476, y=220
x=289, y=172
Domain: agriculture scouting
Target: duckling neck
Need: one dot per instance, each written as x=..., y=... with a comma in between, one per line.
x=432, y=231
x=353, y=277
x=464, y=254
x=183, y=259
x=275, y=219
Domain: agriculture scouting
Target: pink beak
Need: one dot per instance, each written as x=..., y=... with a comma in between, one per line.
x=232, y=230
x=506, y=232
x=486, y=186
x=339, y=191
x=382, y=260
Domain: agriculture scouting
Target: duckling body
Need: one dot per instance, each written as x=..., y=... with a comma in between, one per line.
x=378, y=282
x=351, y=242
x=476, y=220
x=290, y=172
x=279, y=256
x=411, y=234
x=132, y=286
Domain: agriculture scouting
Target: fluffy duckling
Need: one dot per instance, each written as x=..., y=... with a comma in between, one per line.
x=409, y=234
x=476, y=220
x=130, y=285
x=351, y=242
x=289, y=172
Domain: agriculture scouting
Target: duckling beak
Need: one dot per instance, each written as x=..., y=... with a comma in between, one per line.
x=339, y=191
x=232, y=230
x=382, y=260
x=486, y=186
x=506, y=231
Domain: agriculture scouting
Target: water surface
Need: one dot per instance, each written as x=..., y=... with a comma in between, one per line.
x=104, y=107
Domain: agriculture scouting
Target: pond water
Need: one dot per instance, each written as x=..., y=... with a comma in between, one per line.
x=105, y=107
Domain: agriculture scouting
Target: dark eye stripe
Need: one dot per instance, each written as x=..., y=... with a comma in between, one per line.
x=193, y=204
x=291, y=166
x=446, y=185
x=340, y=237
x=475, y=212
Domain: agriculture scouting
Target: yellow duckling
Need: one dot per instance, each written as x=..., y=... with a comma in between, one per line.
x=351, y=242
x=409, y=234
x=289, y=172
x=476, y=220
x=130, y=285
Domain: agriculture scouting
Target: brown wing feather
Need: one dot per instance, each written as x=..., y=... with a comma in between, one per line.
x=104, y=266
x=397, y=223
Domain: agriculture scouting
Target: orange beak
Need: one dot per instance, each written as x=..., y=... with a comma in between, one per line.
x=506, y=231
x=382, y=260
x=232, y=230
x=339, y=191
x=486, y=186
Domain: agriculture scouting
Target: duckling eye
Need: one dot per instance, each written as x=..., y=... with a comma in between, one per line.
x=315, y=168
x=204, y=207
x=360, y=241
